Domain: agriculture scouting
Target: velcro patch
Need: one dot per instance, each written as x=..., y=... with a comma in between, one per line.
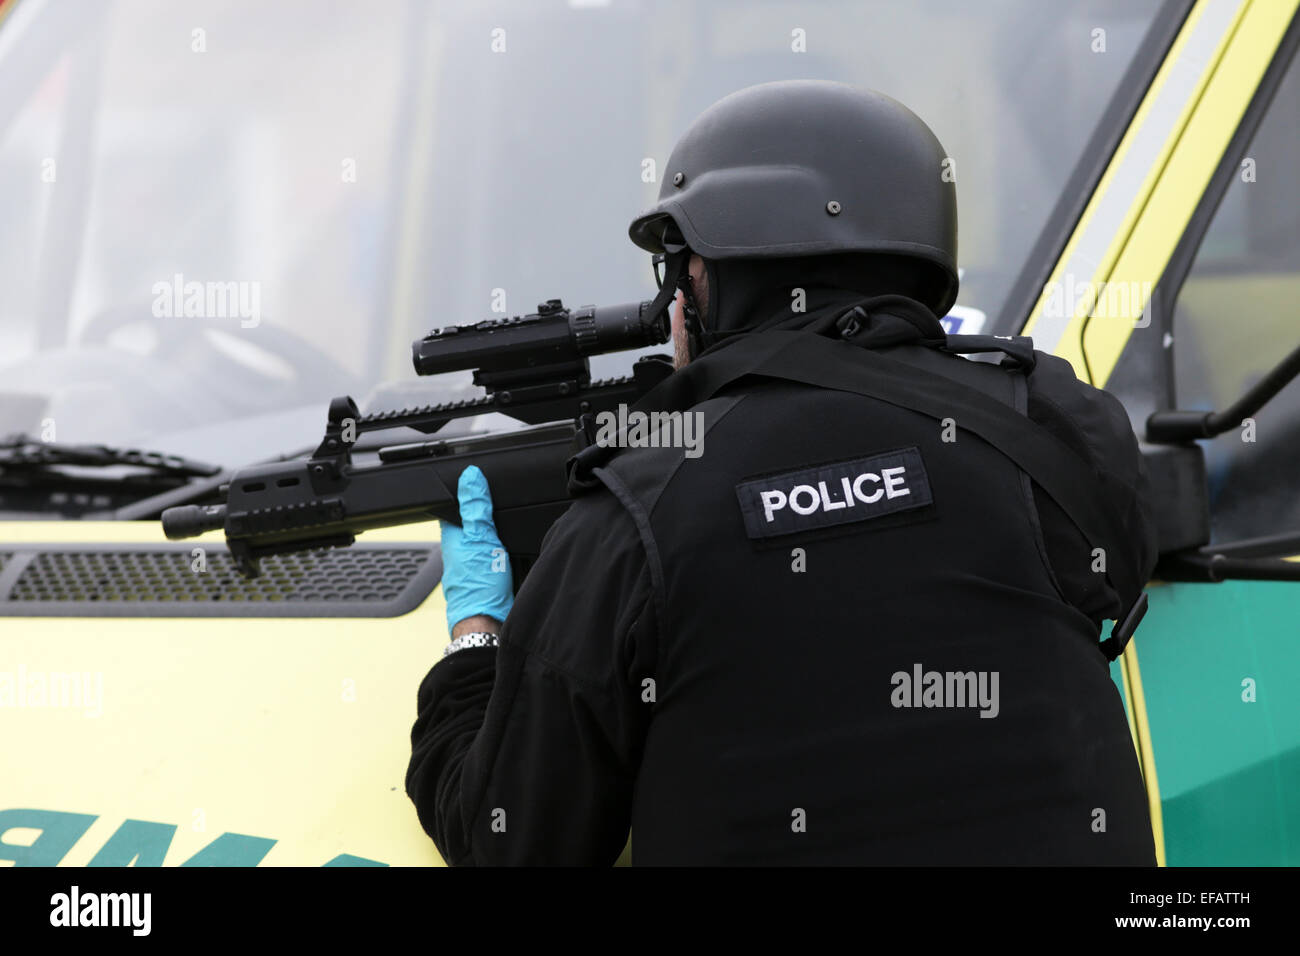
x=837, y=493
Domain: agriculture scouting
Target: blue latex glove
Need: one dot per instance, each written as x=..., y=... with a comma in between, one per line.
x=476, y=575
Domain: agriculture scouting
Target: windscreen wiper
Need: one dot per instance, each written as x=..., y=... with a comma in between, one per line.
x=22, y=452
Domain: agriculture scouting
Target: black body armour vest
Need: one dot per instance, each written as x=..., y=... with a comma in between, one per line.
x=864, y=656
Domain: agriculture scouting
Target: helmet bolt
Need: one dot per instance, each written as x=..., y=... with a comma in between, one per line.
x=679, y=178
x=833, y=208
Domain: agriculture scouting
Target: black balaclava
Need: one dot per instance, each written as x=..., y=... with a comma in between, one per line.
x=753, y=295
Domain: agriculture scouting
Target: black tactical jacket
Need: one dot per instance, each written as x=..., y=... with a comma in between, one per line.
x=847, y=631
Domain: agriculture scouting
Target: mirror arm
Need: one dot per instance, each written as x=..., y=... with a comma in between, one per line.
x=1214, y=566
x=1173, y=426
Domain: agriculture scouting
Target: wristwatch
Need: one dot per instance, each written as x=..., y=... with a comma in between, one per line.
x=472, y=639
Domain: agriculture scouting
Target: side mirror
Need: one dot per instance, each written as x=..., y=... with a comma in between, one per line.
x=1180, y=493
x=1180, y=498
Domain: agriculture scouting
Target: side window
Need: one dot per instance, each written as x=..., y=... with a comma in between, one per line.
x=1236, y=316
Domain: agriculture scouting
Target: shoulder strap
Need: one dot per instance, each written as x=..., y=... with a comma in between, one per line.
x=1018, y=348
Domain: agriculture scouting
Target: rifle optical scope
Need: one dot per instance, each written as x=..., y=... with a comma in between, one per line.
x=552, y=336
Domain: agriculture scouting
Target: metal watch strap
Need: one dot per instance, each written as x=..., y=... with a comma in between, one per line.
x=473, y=639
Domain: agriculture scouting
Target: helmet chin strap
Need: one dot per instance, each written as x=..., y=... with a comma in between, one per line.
x=696, y=320
x=677, y=277
x=691, y=318
x=709, y=317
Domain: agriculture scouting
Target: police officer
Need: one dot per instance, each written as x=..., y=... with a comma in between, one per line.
x=862, y=626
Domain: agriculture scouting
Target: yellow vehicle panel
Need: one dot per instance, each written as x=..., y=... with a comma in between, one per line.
x=291, y=730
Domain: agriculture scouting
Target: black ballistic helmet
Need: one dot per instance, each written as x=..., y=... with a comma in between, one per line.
x=808, y=168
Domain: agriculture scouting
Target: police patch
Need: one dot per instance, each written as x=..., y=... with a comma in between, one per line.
x=837, y=493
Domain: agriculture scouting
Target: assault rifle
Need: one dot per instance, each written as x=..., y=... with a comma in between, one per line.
x=534, y=368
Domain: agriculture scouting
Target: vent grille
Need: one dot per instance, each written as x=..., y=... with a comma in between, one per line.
x=134, y=581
